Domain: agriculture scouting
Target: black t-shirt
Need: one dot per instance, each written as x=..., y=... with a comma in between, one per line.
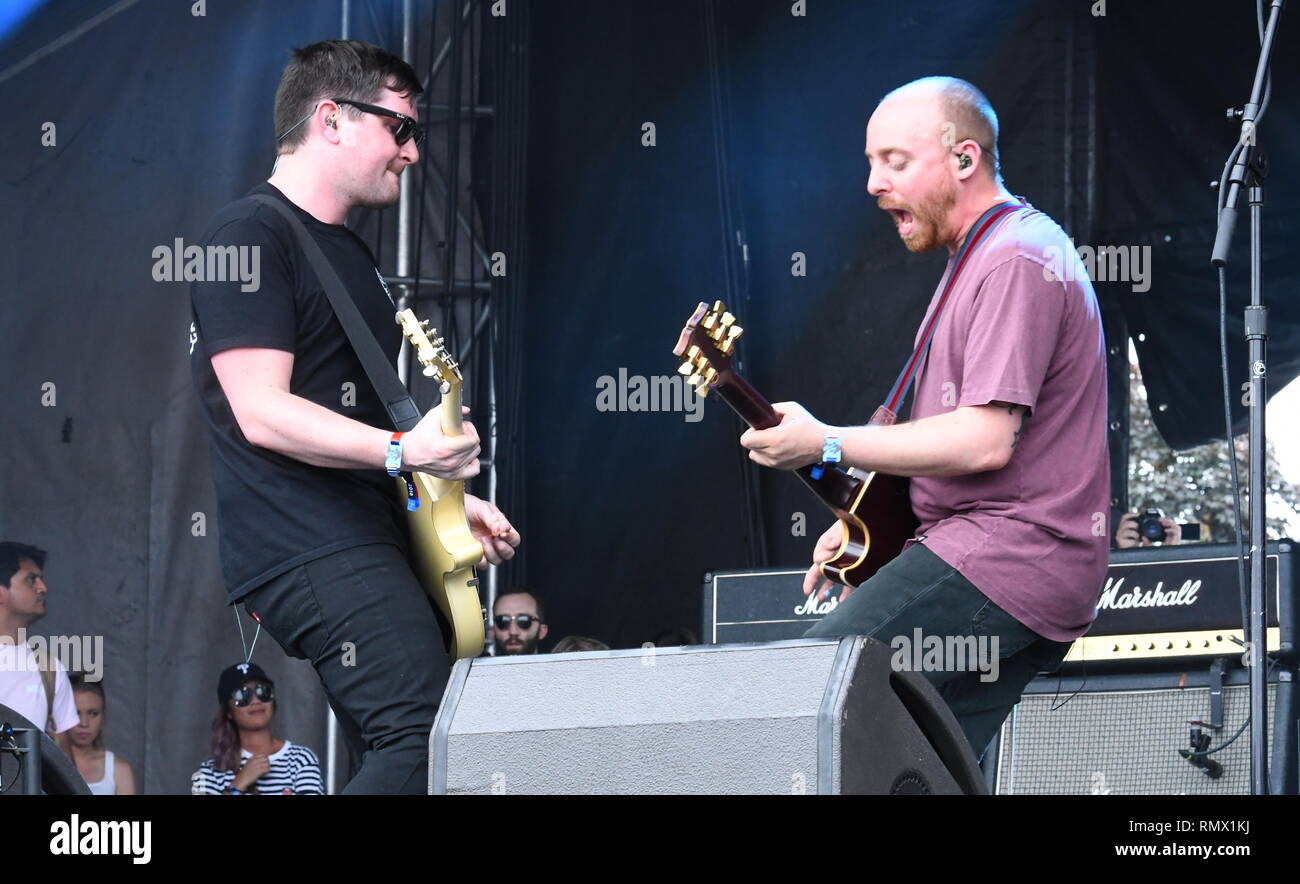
x=276, y=512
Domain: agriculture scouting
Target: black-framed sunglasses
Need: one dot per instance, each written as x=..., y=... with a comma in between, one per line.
x=407, y=128
x=525, y=621
x=243, y=696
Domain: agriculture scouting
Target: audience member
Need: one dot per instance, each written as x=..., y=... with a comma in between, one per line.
x=247, y=758
x=1126, y=535
x=104, y=772
x=517, y=621
x=578, y=643
x=37, y=689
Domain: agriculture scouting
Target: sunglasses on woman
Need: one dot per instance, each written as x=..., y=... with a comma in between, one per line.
x=406, y=129
x=243, y=696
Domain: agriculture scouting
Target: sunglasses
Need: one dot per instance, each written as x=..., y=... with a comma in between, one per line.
x=406, y=129
x=243, y=696
x=525, y=621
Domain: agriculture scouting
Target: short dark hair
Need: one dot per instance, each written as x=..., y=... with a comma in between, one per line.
x=336, y=69
x=11, y=556
x=522, y=590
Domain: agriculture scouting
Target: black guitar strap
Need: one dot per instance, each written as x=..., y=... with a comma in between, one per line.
x=397, y=401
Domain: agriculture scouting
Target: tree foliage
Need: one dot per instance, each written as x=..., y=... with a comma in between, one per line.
x=1195, y=485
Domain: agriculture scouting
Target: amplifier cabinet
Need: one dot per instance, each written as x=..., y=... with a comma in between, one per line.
x=1120, y=735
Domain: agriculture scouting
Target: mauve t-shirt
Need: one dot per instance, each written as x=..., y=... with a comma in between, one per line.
x=1032, y=536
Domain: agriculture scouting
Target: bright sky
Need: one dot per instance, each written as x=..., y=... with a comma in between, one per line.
x=1282, y=426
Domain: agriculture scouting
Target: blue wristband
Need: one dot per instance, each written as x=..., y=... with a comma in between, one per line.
x=831, y=451
x=393, y=462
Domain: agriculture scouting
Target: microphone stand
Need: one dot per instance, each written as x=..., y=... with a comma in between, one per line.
x=1248, y=172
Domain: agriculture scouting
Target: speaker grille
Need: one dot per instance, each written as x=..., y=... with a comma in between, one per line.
x=1122, y=743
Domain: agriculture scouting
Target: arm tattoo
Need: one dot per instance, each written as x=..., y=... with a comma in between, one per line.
x=1012, y=410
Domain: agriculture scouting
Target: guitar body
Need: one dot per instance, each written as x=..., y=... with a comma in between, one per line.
x=874, y=508
x=444, y=554
x=877, y=524
x=443, y=549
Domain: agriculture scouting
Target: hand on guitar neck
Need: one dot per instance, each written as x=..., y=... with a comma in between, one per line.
x=795, y=442
x=428, y=449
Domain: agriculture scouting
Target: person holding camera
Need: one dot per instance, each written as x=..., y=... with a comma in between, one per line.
x=1144, y=529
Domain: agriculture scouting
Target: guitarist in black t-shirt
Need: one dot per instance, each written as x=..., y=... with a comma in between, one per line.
x=312, y=539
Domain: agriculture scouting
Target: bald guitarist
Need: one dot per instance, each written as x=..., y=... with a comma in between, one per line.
x=1006, y=445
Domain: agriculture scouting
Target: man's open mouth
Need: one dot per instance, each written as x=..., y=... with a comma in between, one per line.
x=904, y=221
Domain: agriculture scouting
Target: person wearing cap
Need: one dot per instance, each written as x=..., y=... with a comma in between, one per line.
x=247, y=758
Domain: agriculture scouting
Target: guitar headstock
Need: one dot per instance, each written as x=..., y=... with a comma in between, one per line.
x=707, y=344
x=431, y=353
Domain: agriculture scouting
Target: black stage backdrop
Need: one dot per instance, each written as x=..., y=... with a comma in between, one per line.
x=1111, y=123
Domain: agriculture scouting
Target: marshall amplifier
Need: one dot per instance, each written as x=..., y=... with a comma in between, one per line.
x=1172, y=603
x=1125, y=734
x=758, y=606
x=1159, y=605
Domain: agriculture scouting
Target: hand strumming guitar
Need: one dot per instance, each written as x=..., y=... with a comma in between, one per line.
x=828, y=545
x=492, y=529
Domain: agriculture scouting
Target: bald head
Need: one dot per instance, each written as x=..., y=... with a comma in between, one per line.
x=932, y=146
x=954, y=111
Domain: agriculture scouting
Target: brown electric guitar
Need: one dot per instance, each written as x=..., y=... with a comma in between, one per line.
x=873, y=507
x=442, y=547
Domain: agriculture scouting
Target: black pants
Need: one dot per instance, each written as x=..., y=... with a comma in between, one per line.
x=362, y=619
x=920, y=591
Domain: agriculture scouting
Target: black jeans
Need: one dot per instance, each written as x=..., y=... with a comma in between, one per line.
x=920, y=591
x=362, y=619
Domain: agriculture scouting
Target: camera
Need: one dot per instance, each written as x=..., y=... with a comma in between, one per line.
x=1148, y=526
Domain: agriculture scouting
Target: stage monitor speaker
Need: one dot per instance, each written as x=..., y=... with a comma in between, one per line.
x=1121, y=735
x=58, y=775
x=805, y=716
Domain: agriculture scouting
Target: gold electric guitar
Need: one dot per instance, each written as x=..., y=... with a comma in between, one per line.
x=443, y=549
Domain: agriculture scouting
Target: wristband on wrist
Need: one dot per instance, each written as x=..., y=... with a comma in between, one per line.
x=393, y=462
x=831, y=451
x=831, y=454
x=233, y=791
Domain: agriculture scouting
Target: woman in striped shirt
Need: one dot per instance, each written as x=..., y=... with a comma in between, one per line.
x=247, y=759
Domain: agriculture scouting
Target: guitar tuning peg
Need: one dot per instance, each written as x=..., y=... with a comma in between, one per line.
x=703, y=390
x=692, y=353
x=428, y=371
x=719, y=307
x=685, y=368
x=735, y=331
x=727, y=319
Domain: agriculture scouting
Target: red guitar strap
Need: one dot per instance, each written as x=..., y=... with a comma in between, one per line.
x=888, y=412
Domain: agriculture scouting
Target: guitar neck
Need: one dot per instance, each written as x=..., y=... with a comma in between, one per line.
x=751, y=405
x=835, y=487
x=449, y=412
